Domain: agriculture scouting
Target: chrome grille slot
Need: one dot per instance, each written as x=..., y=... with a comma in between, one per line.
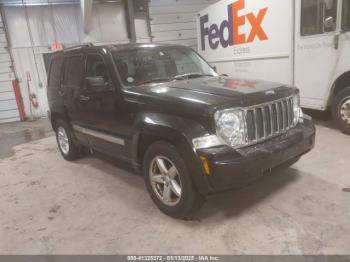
x=259, y=123
x=291, y=113
x=268, y=120
x=274, y=118
x=280, y=116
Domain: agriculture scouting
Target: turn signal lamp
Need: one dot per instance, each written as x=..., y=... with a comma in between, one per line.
x=205, y=165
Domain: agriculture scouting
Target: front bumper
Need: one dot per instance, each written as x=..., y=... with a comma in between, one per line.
x=230, y=168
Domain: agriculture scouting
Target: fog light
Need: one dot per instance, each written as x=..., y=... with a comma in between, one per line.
x=205, y=165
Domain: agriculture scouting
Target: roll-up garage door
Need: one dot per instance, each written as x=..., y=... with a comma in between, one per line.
x=8, y=105
x=174, y=21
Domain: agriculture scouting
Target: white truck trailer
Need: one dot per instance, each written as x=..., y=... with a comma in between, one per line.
x=305, y=43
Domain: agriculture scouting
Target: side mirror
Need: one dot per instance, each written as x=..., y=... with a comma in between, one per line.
x=329, y=23
x=97, y=84
x=215, y=69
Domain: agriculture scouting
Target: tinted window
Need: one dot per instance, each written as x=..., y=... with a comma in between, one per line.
x=73, y=73
x=55, y=71
x=95, y=66
x=318, y=16
x=346, y=15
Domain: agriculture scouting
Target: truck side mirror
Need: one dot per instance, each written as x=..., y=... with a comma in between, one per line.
x=329, y=23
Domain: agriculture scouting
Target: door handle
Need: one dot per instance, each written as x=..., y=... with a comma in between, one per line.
x=84, y=98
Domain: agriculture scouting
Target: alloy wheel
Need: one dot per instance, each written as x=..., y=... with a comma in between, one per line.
x=165, y=180
x=63, y=140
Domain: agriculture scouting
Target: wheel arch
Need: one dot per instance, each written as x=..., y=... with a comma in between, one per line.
x=173, y=130
x=152, y=127
x=340, y=83
x=56, y=115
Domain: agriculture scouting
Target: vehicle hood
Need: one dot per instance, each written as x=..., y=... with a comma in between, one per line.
x=209, y=93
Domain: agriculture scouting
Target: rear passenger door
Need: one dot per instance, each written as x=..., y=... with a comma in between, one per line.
x=72, y=86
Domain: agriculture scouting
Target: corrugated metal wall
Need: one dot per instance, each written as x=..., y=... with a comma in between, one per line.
x=8, y=105
x=32, y=30
x=29, y=62
x=174, y=21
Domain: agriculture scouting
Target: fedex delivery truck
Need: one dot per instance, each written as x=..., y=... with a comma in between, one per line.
x=305, y=43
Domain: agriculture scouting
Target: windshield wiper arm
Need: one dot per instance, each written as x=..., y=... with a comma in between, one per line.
x=168, y=79
x=190, y=75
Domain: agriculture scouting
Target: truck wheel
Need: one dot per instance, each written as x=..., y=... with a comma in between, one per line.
x=341, y=110
x=67, y=145
x=168, y=181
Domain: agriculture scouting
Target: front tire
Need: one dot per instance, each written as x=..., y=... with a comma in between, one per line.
x=66, y=141
x=341, y=110
x=168, y=181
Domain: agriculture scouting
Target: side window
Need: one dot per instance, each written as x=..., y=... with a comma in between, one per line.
x=55, y=71
x=95, y=66
x=73, y=72
x=346, y=15
x=318, y=16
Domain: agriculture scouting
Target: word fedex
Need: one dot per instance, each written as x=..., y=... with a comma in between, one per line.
x=216, y=33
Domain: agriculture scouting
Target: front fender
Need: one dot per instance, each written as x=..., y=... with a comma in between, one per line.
x=175, y=130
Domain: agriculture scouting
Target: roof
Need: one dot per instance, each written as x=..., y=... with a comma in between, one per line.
x=140, y=45
x=118, y=47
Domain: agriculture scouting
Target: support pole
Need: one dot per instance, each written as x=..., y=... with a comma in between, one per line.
x=86, y=9
x=131, y=20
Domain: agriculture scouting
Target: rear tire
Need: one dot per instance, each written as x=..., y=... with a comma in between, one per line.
x=66, y=141
x=168, y=181
x=341, y=110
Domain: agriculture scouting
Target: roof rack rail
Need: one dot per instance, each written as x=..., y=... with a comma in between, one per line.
x=78, y=46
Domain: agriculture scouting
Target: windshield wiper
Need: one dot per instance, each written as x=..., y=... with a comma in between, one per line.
x=154, y=80
x=168, y=79
x=190, y=75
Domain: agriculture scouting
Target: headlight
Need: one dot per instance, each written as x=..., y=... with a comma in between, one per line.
x=231, y=127
x=296, y=109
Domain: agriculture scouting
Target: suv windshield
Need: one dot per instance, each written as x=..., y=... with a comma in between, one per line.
x=159, y=64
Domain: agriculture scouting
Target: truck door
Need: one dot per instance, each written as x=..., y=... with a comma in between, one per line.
x=317, y=54
x=346, y=17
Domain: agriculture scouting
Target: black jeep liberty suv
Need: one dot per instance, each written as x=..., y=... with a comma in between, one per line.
x=166, y=111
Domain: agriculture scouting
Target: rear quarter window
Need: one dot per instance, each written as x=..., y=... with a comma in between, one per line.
x=55, y=71
x=73, y=70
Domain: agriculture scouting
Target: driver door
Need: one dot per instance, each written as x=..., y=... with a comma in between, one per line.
x=99, y=107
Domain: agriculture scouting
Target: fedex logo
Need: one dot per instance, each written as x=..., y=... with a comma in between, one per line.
x=216, y=35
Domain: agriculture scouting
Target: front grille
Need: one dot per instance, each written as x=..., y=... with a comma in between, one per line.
x=271, y=119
